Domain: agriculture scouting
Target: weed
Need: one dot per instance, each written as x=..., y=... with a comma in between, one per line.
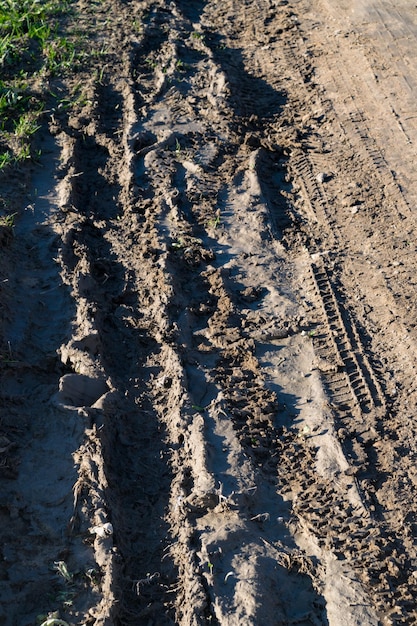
x=61, y=568
x=12, y=101
x=178, y=245
x=59, y=55
x=25, y=126
x=181, y=152
x=31, y=48
x=6, y=358
x=93, y=576
x=22, y=153
x=215, y=222
x=181, y=66
x=178, y=148
x=151, y=63
x=8, y=220
x=77, y=97
x=101, y=52
x=309, y=333
x=99, y=75
x=66, y=598
x=7, y=49
x=198, y=408
x=6, y=159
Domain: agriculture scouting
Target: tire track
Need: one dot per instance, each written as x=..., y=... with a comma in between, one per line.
x=187, y=225
x=120, y=307
x=197, y=485
x=198, y=506
x=361, y=381
x=391, y=205
x=336, y=225
x=214, y=471
x=38, y=440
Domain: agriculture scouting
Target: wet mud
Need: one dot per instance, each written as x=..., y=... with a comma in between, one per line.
x=207, y=402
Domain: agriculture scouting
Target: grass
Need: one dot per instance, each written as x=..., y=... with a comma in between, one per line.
x=42, y=42
x=36, y=45
x=25, y=125
x=26, y=29
x=61, y=568
x=6, y=159
x=7, y=220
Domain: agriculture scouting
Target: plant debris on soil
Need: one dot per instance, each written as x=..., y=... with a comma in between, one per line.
x=208, y=313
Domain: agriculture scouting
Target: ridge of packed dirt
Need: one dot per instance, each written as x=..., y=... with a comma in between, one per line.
x=207, y=313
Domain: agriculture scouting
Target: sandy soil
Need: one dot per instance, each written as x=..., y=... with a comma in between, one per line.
x=208, y=324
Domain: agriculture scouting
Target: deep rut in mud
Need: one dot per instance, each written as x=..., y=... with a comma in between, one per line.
x=208, y=337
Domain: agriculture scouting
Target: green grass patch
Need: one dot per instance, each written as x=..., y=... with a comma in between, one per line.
x=34, y=47
x=45, y=48
x=7, y=220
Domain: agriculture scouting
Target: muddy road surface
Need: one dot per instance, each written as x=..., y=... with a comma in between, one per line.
x=208, y=323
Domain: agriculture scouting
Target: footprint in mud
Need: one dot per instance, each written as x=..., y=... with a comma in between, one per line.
x=80, y=390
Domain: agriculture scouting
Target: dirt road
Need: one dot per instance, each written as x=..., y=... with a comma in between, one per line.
x=208, y=321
